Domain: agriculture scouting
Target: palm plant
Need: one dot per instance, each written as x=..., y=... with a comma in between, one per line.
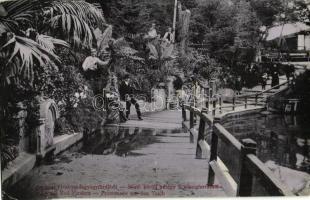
x=75, y=19
x=160, y=53
x=26, y=43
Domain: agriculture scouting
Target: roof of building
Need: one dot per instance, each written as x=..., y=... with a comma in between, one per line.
x=286, y=30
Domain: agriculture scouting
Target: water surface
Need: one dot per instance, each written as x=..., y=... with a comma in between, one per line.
x=283, y=139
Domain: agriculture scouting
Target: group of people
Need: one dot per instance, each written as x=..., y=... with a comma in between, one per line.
x=273, y=71
x=259, y=74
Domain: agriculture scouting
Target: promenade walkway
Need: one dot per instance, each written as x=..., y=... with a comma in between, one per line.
x=160, y=162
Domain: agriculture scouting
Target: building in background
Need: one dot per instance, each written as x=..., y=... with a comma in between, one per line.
x=287, y=42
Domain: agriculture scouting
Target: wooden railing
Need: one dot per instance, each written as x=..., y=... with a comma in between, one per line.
x=242, y=178
x=216, y=103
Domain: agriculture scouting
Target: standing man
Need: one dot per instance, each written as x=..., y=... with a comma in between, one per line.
x=126, y=92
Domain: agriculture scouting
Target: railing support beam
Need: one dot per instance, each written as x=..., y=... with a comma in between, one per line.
x=213, y=155
x=201, y=134
x=246, y=177
x=234, y=103
x=183, y=113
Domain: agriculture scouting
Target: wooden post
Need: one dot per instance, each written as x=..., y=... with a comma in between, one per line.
x=208, y=103
x=183, y=113
x=201, y=136
x=214, y=107
x=220, y=103
x=246, y=102
x=234, y=102
x=256, y=100
x=213, y=155
x=246, y=177
x=191, y=126
x=191, y=119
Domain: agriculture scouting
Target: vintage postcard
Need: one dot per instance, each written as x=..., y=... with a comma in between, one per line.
x=154, y=98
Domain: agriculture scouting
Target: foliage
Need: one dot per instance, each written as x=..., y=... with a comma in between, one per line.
x=136, y=16
x=19, y=53
x=279, y=11
x=8, y=153
x=23, y=46
x=74, y=20
x=229, y=31
x=198, y=65
x=18, y=13
x=34, y=39
x=83, y=118
x=267, y=11
x=160, y=53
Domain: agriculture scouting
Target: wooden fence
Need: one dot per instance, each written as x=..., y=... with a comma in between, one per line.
x=239, y=172
x=257, y=99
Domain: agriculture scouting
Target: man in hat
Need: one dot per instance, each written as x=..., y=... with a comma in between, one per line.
x=126, y=93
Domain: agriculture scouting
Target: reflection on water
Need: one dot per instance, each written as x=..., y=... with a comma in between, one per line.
x=119, y=140
x=283, y=139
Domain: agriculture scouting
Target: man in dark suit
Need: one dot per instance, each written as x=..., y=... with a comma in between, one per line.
x=126, y=93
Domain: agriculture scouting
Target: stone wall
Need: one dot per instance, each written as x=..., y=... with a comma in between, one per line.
x=44, y=134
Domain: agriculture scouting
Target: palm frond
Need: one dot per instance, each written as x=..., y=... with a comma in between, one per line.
x=161, y=50
x=90, y=13
x=17, y=12
x=73, y=24
x=49, y=42
x=103, y=38
x=120, y=43
x=76, y=19
x=28, y=52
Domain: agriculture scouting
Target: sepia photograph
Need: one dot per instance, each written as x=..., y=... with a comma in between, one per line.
x=154, y=99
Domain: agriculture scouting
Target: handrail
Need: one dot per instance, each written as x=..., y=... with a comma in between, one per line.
x=265, y=91
x=274, y=185
x=250, y=165
x=284, y=83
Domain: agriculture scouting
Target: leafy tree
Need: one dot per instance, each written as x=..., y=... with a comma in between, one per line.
x=136, y=16
x=267, y=11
